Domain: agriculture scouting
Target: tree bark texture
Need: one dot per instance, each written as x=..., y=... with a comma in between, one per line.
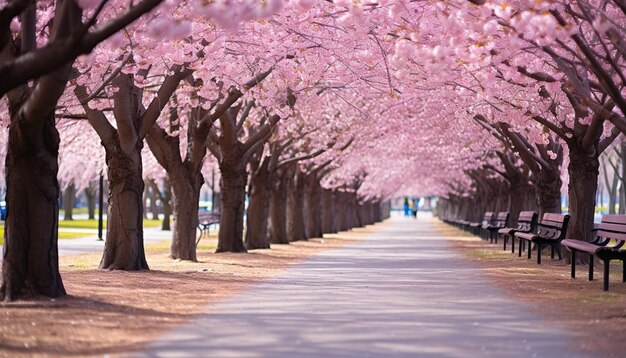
x=124, y=248
x=30, y=265
x=68, y=202
x=233, y=189
x=328, y=212
x=278, y=207
x=295, y=208
x=549, y=192
x=314, y=208
x=260, y=194
x=185, y=199
x=90, y=194
x=167, y=207
x=583, y=172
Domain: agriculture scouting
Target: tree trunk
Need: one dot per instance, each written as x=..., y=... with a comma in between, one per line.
x=185, y=199
x=30, y=265
x=583, y=176
x=167, y=206
x=328, y=212
x=124, y=249
x=549, y=192
x=516, y=200
x=340, y=204
x=153, y=195
x=146, y=196
x=278, y=208
x=258, y=208
x=90, y=193
x=233, y=189
x=68, y=201
x=314, y=208
x=295, y=208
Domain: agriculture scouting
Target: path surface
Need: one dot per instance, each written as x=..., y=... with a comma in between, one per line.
x=400, y=293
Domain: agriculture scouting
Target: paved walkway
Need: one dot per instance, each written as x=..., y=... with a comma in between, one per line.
x=401, y=293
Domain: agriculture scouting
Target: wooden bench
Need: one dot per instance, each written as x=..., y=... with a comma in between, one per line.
x=526, y=223
x=475, y=228
x=607, y=246
x=551, y=231
x=501, y=221
x=205, y=220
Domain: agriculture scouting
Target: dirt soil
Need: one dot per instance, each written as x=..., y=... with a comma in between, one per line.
x=115, y=312
x=596, y=318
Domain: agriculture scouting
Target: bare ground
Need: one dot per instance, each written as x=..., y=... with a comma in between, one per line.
x=116, y=312
x=596, y=318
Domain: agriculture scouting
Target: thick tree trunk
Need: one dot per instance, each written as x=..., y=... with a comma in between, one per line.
x=378, y=212
x=146, y=197
x=516, y=201
x=295, y=208
x=167, y=207
x=613, y=200
x=90, y=194
x=622, y=192
x=30, y=265
x=354, y=211
x=233, y=189
x=185, y=199
x=583, y=181
x=328, y=212
x=549, y=192
x=341, y=207
x=314, y=208
x=278, y=208
x=154, y=209
x=124, y=249
x=258, y=209
x=68, y=201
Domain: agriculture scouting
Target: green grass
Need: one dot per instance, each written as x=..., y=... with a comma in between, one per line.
x=595, y=297
x=80, y=224
x=62, y=235
x=93, y=224
x=488, y=255
x=79, y=211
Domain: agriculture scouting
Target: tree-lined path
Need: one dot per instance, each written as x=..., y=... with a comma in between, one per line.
x=402, y=291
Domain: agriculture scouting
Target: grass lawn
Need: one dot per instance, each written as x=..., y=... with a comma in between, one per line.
x=80, y=224
x=62, y=234
x=93, y=224
x=79, y=211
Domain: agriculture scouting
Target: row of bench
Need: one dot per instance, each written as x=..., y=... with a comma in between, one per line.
x=205, y=220
x=610, y=237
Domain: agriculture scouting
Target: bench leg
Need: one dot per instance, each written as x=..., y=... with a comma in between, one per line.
x=606, y=274
x=539, y=247
x=552, y=252
x=505, y=238
x=530, y=249
x=590, y=267
x=573, y=263
x=521, y=247
x=558, y=251
x=496, y=237
x=512, y=244
x=623, y=270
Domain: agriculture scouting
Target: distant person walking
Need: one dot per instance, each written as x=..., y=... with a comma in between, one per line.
x=416, y=204
x=407, y=212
